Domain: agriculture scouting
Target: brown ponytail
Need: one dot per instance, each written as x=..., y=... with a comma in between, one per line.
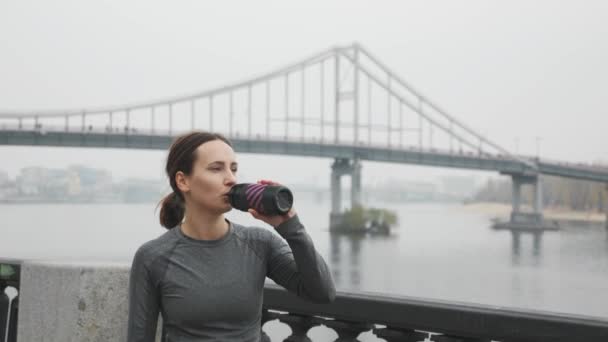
x=181, y=158
x=172, y=210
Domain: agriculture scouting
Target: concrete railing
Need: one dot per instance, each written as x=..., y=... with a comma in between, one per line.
x=75, y=301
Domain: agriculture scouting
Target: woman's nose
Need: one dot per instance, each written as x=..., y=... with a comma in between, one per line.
x=231, y=179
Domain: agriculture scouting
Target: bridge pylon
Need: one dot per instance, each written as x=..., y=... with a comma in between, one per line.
x=527, y=220
x=339, y=168
x=517, y=214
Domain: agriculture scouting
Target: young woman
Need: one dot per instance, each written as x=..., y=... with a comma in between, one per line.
x=206, y=274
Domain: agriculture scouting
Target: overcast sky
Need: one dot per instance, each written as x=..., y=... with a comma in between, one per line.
x=512, y=70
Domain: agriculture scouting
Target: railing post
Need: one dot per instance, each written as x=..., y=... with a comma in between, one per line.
x=11, y=335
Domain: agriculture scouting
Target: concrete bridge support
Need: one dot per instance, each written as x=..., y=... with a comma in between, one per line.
x=339, y=168
x=519, y=216
x=355, y=186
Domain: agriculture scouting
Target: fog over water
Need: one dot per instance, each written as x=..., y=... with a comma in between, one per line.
x=439, y=251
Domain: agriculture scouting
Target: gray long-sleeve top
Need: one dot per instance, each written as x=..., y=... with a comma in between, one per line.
x=212, y=290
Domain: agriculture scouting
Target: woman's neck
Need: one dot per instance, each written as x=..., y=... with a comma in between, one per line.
x=204, y=226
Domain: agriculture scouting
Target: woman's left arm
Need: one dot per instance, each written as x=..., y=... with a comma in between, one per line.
x=297, y=266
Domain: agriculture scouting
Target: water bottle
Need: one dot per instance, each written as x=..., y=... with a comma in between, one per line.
x=265, y=199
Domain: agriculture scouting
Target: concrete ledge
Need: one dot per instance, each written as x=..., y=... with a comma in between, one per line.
x=67, y=302
x=73, y=301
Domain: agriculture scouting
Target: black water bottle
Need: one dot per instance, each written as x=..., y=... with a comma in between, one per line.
x=265, y=199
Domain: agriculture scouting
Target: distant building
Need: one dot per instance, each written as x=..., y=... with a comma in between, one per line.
x=56, y=184
x=8, y=188
x=77, y=184
x=86, y=180
x=30, y=180
x=73, y=186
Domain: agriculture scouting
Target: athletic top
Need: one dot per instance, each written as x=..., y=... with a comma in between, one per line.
x=212, y=290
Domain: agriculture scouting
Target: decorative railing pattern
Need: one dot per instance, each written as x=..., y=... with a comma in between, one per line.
x=413, y=319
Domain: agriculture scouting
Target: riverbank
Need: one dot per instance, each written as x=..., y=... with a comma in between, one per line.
x=503, y=211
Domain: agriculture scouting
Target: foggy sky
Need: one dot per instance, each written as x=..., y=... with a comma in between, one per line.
x=513, y=71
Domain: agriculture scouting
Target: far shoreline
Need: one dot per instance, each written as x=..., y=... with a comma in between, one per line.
x=503, y=211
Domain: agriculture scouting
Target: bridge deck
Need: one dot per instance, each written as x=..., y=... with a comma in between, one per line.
x=311, y=148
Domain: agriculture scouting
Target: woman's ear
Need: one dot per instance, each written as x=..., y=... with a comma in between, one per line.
x=182, y=182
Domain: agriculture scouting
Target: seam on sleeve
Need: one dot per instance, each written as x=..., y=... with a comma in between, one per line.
x=164, y=272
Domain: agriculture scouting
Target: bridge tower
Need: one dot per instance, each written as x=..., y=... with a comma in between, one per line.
x=339, y=168
x=530, y=220
x=345, y=166
x=520, y=220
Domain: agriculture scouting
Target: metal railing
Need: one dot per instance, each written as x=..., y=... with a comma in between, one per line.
x=390, y=318
x=414, y=319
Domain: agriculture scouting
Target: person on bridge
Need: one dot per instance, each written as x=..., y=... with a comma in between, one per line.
x=206, y=274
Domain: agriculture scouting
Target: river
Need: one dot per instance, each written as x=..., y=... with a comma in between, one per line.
x=438, y=251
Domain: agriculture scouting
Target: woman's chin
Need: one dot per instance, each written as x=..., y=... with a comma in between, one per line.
x=227, y=207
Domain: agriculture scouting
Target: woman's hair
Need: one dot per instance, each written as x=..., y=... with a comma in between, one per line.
x=181, y=158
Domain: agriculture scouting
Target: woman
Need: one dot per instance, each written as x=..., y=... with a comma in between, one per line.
x=206, y=274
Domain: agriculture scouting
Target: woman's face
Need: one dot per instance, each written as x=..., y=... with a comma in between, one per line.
x=213, y=174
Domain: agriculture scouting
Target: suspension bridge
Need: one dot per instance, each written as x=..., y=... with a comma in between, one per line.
x=342, y=103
